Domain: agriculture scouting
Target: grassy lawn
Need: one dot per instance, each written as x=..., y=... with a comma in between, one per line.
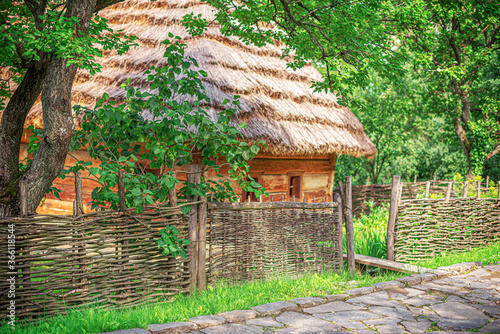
x=487, y=255
x=215, y=300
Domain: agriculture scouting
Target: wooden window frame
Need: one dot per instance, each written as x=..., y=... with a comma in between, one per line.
x=301, y=185
x=257, y=176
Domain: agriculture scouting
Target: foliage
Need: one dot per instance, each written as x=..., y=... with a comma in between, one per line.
x=410, y=138
x=491, y=192
x=162, y=128
x=370, y=232
x=450, y=44
x=349, y=38
x=32, y=35
x=170, y=243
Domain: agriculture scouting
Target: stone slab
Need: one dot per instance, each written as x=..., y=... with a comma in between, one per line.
x=492, y=327
x=389, y=329
x=417, y=327
x=333, y=307
x=205, y=321
x=388, y=285
x=274, y=308
x=380, y=298
x=130, y=331
x=308, y=301
x=171, y=327
x=399, y=312
x=410, y=280
x=360, y=291
x=461, y=324
x=265, y=322
x=239, y=315
x=331, y=298
x=456, y=310
x=348, y=316
x=295, y=319
x=298, y=330
x=232, y=329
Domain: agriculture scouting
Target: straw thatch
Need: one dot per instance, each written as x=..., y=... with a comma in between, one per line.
x=277, y=103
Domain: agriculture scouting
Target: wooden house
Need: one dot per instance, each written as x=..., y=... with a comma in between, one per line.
x=305, y=131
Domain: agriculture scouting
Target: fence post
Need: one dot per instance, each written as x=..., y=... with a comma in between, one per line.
x=172, y=194
x=466, y=188
x=340, y=239
x=448, y=193
x=78, y=194
x=23, y=192
x=427, y=189
x=202, y=244
x=478, y=196
x=487, y=182
x=415, y=180
x=393, y=212
x=194, y=177
x=498, y=188
x=121, y=192
x=349, y=229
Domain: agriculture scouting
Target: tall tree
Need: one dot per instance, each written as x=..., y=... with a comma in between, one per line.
x=43, y=44
x=451, y=43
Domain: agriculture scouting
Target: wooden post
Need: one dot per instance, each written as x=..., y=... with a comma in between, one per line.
x=487, y=182
x=202, y=244
x=478, y=196
x=78, y=194
x=368, y=180
x=415, y=180
x=383, y=179
x=427, y=189
x=23, y=192
x=172, y=194
x=448, y=193
x=435, y=177
x=340, y=238
x=498, y=188
x=466, y=188
x=349, y=228
x=194, y=177
x=121, y=192
x=393, y=212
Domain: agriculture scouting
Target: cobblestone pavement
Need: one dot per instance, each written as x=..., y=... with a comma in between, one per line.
x=453, y=299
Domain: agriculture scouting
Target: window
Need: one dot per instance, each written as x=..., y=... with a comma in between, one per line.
x=295, y=185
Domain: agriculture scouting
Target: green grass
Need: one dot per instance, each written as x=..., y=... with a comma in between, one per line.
x=215, y=300
x=370, y=232
x=487, y=255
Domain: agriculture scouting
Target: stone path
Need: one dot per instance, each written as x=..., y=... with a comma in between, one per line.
x=453, y=299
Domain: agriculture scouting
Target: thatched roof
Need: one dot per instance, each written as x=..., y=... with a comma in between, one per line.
x=277, y=103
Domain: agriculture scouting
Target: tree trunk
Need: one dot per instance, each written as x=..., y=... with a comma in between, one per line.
x=11, y=131
x=58, y=125
x=466, y=147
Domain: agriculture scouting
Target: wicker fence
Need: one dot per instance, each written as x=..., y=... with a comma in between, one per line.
x=381, y=193
x=259, y=240
x=426, y=228
x=110, y=258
